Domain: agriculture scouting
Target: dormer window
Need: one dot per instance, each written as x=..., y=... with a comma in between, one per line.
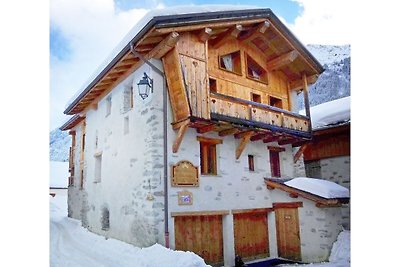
x=255, y=71
x=231, y=62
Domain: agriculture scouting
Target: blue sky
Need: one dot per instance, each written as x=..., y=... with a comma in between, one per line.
x=84, y=32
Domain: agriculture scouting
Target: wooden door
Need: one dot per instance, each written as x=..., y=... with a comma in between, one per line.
x=251, y=235
x=288, y=233
x=202, y=235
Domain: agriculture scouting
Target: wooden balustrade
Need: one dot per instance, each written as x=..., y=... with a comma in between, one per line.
x=252, y=111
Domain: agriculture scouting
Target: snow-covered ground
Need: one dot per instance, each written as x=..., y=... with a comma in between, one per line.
x=71, y=245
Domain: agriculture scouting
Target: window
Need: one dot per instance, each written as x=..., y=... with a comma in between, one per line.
x=251, y=163
x=105, y=219
x=128, y=99
x=275, y=164
x=213, y=85
x=126, y=125
x=81, y=179
x=108, y=106
x=208, y=155
x=255, y=71
x=275, y=102
x=97, y=168
x=255, y=98
x=231, y=62
x=96, y=140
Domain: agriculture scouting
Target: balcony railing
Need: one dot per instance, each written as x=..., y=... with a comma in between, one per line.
x=258, y=115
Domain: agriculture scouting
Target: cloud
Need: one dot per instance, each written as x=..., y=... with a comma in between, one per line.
x=323, y=22
x=91, y=28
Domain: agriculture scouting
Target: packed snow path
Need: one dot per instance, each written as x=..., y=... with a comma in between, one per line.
x=71, y=245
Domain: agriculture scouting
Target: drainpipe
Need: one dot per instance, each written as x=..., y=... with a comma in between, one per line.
x=153, y=67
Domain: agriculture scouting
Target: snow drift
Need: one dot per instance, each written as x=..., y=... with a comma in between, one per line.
x=319, y=187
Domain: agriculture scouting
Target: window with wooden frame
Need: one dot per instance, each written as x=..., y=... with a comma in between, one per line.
x=213, y=85
x=255, y=71
x=275, y=163
x=231, y=62
x=208, y=155
x=108, y=105
x=251, y=162
x=275, y=102
x=255, y=97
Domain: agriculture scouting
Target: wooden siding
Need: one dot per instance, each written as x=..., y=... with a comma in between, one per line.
x=251, y=235
x=202, y=235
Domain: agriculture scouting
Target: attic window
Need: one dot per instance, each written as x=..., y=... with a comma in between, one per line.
x=255, y=98
x=275, y=102
x=231, y=62
x=255, y=71
x=108, y=105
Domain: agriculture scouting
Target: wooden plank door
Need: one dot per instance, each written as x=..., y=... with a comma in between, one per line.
x=288, y=233
x=201, y=235
x=251, y=235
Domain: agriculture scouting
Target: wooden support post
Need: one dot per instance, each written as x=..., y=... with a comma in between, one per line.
x=245, y=139
x=228, y=131
x=181, y=132
x=300, y=152
x=205, y=34
x=306, y=101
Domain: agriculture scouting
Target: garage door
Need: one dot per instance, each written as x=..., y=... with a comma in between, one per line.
x=251, y=235
x=202, y=235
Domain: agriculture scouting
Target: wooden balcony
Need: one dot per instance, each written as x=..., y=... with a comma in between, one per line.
x=259, y=116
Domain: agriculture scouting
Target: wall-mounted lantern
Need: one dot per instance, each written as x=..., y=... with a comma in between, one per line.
x=144, y=86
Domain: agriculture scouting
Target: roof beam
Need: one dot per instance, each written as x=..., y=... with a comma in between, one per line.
x=282, y=60
x=260, y=28
x=205, y=34
x=228, y=132
x=181, y=132
x=230, y=33
x=243, y=142
x=299, y=84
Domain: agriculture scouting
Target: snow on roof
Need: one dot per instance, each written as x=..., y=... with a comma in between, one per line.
x=330, y=113
x=59, y=174
x=175, y=10
x=319, y=187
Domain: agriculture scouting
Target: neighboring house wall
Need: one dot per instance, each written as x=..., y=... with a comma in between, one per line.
x=113, y=203
x=319, y=227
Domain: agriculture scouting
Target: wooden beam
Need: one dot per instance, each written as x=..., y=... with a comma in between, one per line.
x=209, y=140
x=271, y=139
x=206, y=128
x=300, y=152
x=164, y=46
x=306, y=101
x=243, y=143
x=279, y=205
x=260, y=28
x=276, y=148
x=299, y=84
x=205, y=34
x=200, y=213
x=260, y=210
x=228, y=131
x=260, y=135
x=242, y=134
x=230, y=33
x=282, y=60
x=179, y=137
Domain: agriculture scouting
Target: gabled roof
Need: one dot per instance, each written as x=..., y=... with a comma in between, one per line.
x=154, y=29
x=282, y=184
x=72, y=122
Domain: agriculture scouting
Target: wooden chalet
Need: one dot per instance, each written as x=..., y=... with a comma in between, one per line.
x=188, y=162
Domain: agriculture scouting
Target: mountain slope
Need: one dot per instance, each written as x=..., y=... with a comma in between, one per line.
x=59, y=145
x=334, y=82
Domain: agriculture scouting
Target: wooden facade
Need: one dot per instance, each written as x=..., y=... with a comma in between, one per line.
x=328, y=143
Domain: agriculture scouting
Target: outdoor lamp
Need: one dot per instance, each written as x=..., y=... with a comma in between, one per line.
x=144, y=86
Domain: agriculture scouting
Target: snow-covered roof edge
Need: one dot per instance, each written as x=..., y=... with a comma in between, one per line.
x=191, y=12
x=330, y=113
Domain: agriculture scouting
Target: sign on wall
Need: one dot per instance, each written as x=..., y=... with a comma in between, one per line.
x=184, y=173
x=185, y=198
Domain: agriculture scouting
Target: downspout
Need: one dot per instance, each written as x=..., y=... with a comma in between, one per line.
x=153, y=67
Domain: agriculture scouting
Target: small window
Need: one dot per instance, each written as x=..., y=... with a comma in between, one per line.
x=81, y=179
x=105, y=219
x=231, y=62
x=255, y=71
x=275, y=163
x=128, y=99
x=96, y=141
x=213, y=85
x=275, y=102
x=126, y=125
x=97, y=168
x=255, y=98
x=108, y=106
x=251, y=163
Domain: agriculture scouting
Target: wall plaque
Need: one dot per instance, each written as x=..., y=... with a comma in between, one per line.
x=185, y=198
x=184, y=173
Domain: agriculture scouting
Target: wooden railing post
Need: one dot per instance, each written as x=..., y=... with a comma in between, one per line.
x=306, y=101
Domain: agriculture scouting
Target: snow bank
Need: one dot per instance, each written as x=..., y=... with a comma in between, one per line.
x=331, y=112
x=175, y=10
x=73, y=245
x=319, y=187
x=59, y=174
x=340, y=252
